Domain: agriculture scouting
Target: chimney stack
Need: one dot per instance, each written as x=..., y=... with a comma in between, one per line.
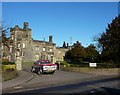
x=50, y=39
x=25, y=25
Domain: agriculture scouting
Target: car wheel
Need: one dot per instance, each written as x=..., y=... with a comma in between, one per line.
x=40, y=71
x=33, y=69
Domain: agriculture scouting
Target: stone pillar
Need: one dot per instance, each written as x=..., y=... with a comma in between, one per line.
x=18, y=60
x=54, y=60
x=19, y=63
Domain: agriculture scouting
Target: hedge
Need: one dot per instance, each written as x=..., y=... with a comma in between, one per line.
x=8, y=63
x=86, y=64
x=8, y=67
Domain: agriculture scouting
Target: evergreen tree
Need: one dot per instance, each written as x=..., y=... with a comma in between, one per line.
x=77, y=53
x=110, y=41
x=64, y=45
x=91, y=53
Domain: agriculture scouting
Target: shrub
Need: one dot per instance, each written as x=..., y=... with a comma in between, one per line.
x=99, y=65
x=8, y=63
x=107, y=65
x=65, y=63
x=8, y=67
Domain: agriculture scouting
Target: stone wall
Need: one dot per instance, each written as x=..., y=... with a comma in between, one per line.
x=32, y=50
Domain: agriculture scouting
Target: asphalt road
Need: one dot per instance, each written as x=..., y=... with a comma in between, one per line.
x=68, y=82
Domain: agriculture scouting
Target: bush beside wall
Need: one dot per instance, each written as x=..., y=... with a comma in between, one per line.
x=86, y=64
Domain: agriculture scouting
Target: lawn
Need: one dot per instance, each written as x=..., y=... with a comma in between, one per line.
x=27, y=64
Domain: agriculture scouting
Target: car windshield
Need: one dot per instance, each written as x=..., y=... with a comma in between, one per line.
x=45, y=62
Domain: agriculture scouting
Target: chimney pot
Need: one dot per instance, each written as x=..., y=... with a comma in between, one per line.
x=50, y=39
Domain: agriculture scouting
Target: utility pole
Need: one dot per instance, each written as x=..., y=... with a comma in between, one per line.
x=70, y=47
x=70, y=41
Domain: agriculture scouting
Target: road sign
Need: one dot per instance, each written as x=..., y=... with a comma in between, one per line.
x=93, y=64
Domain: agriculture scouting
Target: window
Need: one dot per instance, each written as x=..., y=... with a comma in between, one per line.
x=2, y=47
x=18, y=45
x=36, y=56
x=23, y=45
x=37, y=48
x=50, y=49
x=43, y=57
x=12, y=37
x=23, y=53
x=44, y=49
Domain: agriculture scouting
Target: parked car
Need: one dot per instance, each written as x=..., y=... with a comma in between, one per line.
x=44, y=66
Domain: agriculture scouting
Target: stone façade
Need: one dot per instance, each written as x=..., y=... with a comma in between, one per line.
x=22, y=44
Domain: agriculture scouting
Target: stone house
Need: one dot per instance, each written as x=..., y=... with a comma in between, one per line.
x=22, y=44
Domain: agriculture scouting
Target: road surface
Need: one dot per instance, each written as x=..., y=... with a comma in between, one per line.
x=68, y=82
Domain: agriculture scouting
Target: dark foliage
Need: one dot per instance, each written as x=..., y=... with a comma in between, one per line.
x=4, y=38
x=92, y=54
x=76, y=54
x=64, y=45
x=109, y=41
x=8, y=63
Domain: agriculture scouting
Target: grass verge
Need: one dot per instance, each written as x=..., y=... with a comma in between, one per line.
x=9, y=75
x=27, y=64
x=91, y=70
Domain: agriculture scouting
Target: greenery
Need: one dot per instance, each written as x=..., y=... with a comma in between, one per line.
x=109, y=42
x=27, y=64
x=8, y=70
x=64, y=63
x=107, y=51
x=4, y=38
x=86, y=64
x=8, y=63
x=75, y=54
x=78, y=54
x=92, y=54
x=65, y=45
x=9, y=74
x=8, y=67
x=91, y=70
